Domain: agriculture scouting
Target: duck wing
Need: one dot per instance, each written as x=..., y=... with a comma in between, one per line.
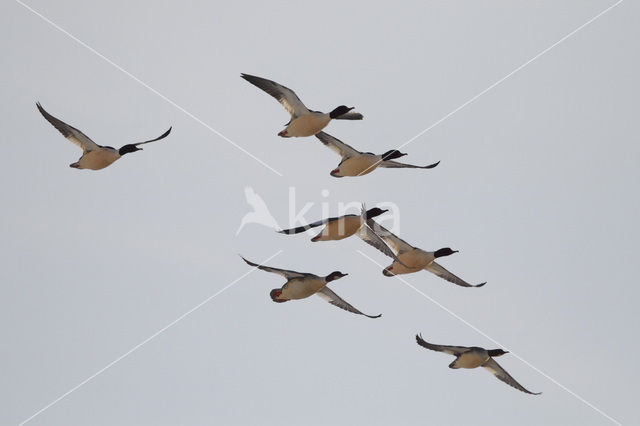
x=284, y=272
x=451, y=350
x=162, y=136
x=502, y=374
x=440, y=271
x=315, y=224
x=370, y=237
x=397, y=244
x=336, y=145
x=397, y=165
x=327, y=294
x=287, y=97
x=69, y=132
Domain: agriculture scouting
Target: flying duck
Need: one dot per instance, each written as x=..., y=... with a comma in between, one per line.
x=94, y=156
x=301, y=285
x=341, y=227
x=473, y=357
x=304, y=122
x=356, y=163
x=412, y=259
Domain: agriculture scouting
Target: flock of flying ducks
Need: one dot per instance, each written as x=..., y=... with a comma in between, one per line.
x=406, y=258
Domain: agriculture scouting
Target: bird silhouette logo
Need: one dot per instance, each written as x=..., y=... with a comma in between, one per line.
x=260, y=213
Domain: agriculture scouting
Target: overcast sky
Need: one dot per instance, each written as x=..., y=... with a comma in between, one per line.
x=537, y=188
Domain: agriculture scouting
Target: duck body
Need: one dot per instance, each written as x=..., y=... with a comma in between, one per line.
x=358, y=165
x=475, y=357
x=301, y=288
x=94, y=156
x=410, y=261
x=301, y=285
x=97, y=159
x=304, y=122
x=306, y=125
x=340, y=228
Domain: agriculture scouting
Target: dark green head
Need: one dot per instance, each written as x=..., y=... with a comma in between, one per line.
x=335, y=275
x=341, y=110
x=444, y=252
x=128, y=148
x=371, y=213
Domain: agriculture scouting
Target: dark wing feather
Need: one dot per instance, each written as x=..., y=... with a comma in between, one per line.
x=440, y=271
x=74, y=135
x=317, y=223
x=502, y=374
x=287, y=97
x=397, y=165
x=397, y=244
x=162, y=136
x=284, y=272
x=451, y=350
x=327, y=294
x=368, y=235
x=336, y=145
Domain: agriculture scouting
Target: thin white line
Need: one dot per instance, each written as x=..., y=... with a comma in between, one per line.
x=139, y=345
x=505, y=77
x=85, y=45
x=482, y=333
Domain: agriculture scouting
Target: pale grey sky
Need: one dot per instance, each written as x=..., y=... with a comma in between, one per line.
x=537, y=188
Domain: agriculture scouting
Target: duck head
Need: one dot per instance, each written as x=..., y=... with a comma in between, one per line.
x=371, y=213
x=444, y=252
x=392, y=154
x=335, y=275
x=128, y=148
x=341, y=110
